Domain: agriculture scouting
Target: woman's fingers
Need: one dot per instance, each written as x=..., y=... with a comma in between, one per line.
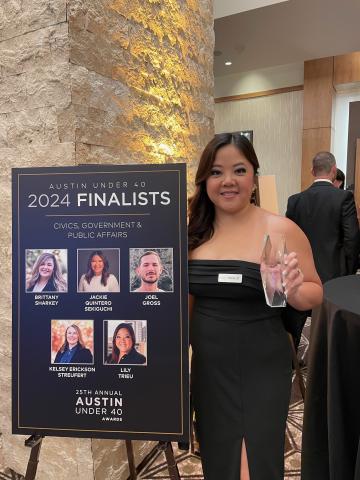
x=292, y=274
x=292, y=285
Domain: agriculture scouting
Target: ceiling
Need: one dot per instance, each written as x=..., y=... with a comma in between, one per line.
x=282, y=33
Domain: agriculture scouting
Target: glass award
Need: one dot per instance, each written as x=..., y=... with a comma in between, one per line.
x=271, y=268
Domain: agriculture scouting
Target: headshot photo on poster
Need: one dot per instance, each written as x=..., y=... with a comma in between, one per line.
x=98, y=270
x=46, y=270
x=72, y=341
x=151, y=270
x=125, y=342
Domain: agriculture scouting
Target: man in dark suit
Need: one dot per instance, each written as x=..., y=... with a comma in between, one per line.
x=327, y=216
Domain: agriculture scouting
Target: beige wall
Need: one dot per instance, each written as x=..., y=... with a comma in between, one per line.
x=259, y=80
x=276, y=121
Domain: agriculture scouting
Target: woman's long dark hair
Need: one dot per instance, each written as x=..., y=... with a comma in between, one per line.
x=201, y=209
x=104, y=274
x=115, y=352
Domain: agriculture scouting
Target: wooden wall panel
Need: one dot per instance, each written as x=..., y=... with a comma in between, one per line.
x=318, y=103
x=314, y=141
x=265, y=93
x=318, y=92
x=347, y=68
x=268, y=193
x=353, y=135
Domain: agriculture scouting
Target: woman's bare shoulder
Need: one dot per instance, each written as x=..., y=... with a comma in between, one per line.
x=199, y=252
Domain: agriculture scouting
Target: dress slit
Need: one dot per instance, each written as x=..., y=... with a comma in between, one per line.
x=244, y=447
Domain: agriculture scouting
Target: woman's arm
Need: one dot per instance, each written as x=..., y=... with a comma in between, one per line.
x=301, y=282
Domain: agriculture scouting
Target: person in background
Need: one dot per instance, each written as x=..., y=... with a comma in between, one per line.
x=339, y=181
x=327, y=216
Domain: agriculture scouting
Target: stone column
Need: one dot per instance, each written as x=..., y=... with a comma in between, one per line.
x=95, y=81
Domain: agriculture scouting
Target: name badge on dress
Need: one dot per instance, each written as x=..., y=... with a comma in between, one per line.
x=230, y=278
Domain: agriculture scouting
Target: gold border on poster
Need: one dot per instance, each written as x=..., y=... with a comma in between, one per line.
x=178, y=171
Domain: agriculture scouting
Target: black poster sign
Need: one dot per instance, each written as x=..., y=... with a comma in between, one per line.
x=100, y=302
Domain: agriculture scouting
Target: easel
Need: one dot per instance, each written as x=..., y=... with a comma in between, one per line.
x=35, y=442
x=165, y=447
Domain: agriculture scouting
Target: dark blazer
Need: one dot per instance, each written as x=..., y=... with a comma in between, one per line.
x=132, y=358
x=327, y=216
x=82, y=355
x=49, y=287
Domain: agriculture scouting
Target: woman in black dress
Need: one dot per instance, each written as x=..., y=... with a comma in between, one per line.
x=241, y=368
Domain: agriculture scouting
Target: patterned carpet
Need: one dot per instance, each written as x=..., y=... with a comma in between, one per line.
x=189, y=464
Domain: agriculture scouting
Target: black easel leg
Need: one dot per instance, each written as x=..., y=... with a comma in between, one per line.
x=34, y=442
x=170, y=460
x=165, y=447
x=131, y=460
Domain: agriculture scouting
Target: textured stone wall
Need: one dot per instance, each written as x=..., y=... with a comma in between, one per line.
x=142, y=81
x=94, y=81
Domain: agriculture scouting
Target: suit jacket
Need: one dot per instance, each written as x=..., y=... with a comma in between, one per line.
x=132, y=358
x=327, y=216
x=49, y=287
x=82, y=355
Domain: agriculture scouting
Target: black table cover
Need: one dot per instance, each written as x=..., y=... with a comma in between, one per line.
x=330, y=446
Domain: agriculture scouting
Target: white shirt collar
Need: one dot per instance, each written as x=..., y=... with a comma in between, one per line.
x=323, y=180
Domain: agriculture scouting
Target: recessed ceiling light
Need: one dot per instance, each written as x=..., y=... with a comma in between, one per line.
x=228, y=63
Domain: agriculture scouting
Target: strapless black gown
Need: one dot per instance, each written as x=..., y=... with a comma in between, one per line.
x=241, y=372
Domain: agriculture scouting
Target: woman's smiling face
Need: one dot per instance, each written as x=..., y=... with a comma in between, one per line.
x=231, y=180
x=124, y=341
x=46, y=268
x=72, y=336
x=97, y=265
